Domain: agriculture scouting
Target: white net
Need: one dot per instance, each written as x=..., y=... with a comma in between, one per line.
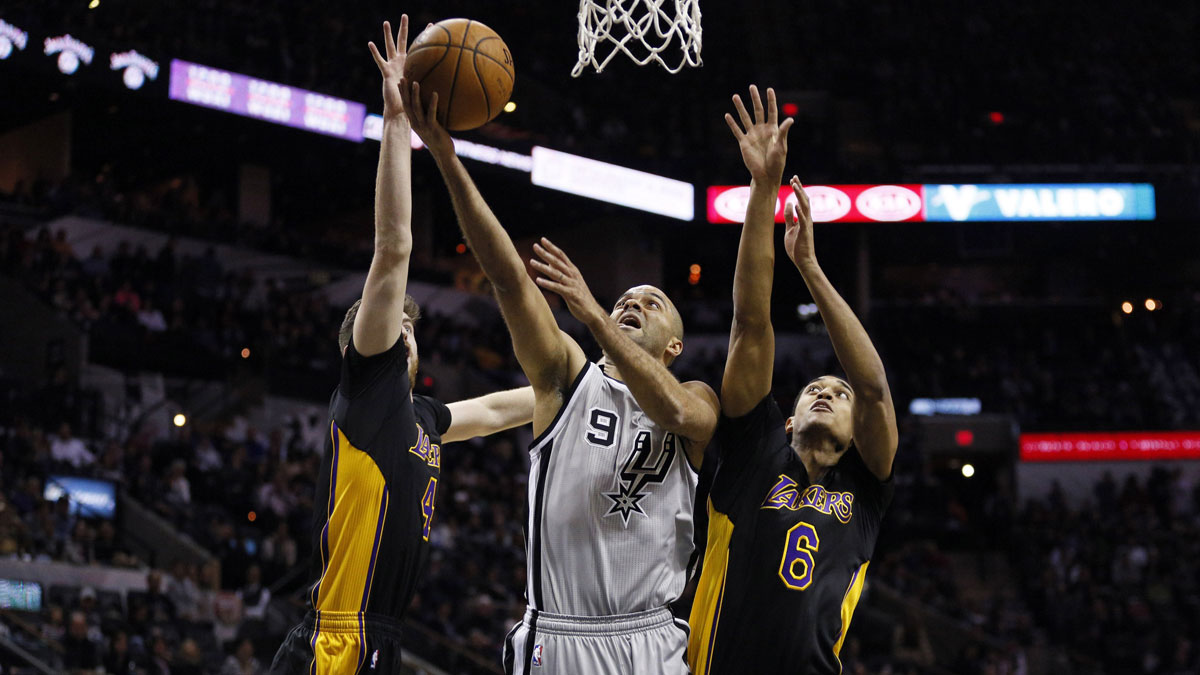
x=644, y=30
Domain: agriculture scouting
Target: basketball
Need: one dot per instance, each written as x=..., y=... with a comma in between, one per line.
x=469, y=67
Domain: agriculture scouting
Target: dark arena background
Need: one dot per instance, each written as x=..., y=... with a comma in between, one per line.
x=1013, y=196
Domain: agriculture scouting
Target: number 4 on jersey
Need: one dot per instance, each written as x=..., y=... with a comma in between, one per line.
x=427, y=506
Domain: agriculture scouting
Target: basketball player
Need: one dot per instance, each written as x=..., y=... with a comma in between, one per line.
x=792, y=524
x=379, y=473
x=613, y=465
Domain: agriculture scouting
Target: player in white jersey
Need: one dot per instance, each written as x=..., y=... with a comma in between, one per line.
x=612, y=477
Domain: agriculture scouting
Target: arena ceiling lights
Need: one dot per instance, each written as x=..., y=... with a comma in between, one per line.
x=950, y=203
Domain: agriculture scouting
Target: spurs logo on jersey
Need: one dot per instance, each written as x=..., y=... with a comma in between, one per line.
x=644, y=467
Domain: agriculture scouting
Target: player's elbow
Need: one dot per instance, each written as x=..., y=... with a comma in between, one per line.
x=750, y=320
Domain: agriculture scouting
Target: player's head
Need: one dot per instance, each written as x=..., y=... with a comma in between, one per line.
x=650, y=319
x=824, y=411
x=412, y=314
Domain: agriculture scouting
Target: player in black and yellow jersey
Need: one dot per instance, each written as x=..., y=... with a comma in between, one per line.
x=792, y=523
x=379, y=475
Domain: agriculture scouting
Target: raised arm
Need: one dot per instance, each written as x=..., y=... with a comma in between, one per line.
x=875, y=432
x=488, y=414
x=549, y=358
x=379, y=320
x=751, y=356
x=689, y=409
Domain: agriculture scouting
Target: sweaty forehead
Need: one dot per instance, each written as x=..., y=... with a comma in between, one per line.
x=647, y=290
x=830, y=380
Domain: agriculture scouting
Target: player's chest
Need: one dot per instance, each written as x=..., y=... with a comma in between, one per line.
x=793, y=516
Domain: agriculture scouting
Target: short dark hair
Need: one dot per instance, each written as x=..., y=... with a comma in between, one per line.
x=411, y=308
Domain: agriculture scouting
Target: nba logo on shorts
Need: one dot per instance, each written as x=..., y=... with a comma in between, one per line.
x=537, y=655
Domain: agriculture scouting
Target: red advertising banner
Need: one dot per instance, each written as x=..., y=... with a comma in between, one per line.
x=830, y=203
x=1110, y=446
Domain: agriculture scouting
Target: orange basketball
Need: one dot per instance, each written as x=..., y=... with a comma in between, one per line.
x=469, y=67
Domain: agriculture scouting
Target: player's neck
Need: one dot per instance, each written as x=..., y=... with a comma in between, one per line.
x=610, y=369
x=817, y=454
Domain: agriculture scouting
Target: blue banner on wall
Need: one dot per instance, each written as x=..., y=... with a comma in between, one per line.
x=1063, y=201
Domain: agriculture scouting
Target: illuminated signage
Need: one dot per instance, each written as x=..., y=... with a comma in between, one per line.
x=614, y=184
x=945, y=406
x=70, y=52
x=1071, y=201
x=89, y=497
x=11, y=37
x=829, y=203
x=1109, y=446
x=137, y=68
x=21, y=595
x=950, y=203
x=269, y=101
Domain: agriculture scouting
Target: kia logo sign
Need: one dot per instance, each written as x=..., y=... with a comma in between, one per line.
x=888, y=203
x=827, y=203
x=731, y=204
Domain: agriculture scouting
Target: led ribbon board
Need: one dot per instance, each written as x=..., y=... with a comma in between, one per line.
x=950, y=203
x=1063, y=201
x=268, y=101
x=614, y=184
x=1110, y=446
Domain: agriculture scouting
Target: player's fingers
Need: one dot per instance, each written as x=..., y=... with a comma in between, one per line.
x=788, y=219
x=741, y=111
x=375, y=55
x=783, y=131
x=772, y=109
x=402, y=39
x=756, y=101
x=550, y=285
x=408, y=94
x=554, y=249
x=733, y=126
x=431, y=115
x=802, y=199
x=389, y=43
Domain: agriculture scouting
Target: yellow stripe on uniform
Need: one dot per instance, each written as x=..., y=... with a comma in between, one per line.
x=706, y=609
x=353, y=524
x=849, y=602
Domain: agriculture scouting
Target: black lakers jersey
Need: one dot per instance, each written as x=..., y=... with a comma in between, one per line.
x=786, y=558
x=375, y=495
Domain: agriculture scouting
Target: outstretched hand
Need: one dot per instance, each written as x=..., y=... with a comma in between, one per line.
x=798, y=237
x=424, y=120
x=764, y=141
x=560, y=275
x=392, y=67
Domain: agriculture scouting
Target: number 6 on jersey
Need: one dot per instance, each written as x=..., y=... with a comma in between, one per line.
x=802, y=543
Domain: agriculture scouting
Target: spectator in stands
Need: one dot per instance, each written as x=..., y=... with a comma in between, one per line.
x=242, y=661
x=255, y=597
x=188, y=660
x=66, y=449
x=80, y=651
x=118, y=660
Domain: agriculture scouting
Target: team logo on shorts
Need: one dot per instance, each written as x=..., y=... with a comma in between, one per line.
x=537, y=655
x=644, y=467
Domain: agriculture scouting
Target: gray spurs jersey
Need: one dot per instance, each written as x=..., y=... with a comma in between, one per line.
x=610, y=506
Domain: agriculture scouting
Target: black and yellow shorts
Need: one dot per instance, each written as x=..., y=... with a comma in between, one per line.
x=340, y=643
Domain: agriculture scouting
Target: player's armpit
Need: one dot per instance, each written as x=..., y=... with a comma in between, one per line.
x=702, y=410
x=489, y=414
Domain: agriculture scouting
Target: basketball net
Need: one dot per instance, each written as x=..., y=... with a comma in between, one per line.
x=642, y=29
